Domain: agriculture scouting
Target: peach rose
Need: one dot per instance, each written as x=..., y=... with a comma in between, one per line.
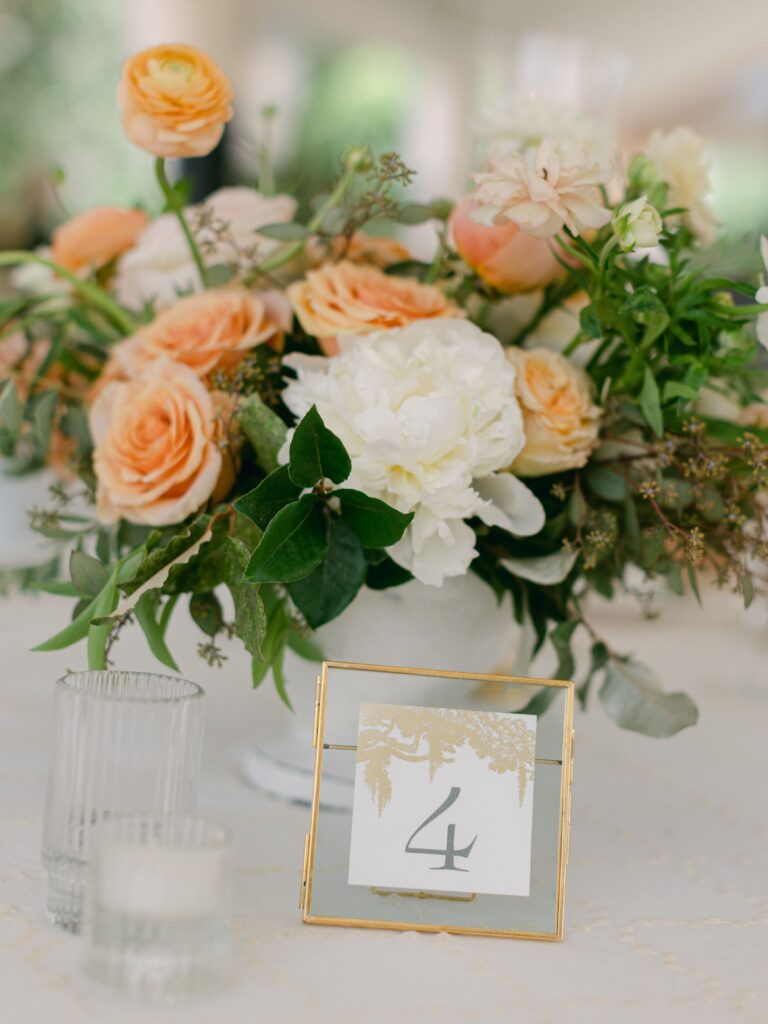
x=561, y=420
x=91, y=239
x=348, y=298
x=156, y=455
x=212, y=329
x=174, y=101
x=503, y=255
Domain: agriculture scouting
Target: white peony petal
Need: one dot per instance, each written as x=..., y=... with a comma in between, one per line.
x=764, y=250
x=514, y=506
x=546, y=569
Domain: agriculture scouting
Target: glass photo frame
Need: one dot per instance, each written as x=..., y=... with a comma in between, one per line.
x=462, y=808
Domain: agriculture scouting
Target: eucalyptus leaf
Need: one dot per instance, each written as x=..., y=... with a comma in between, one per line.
x=264, y=429
x=11, y=409
x=606, y=482
x=87, y=573
x=632, y=696
x=283, y=232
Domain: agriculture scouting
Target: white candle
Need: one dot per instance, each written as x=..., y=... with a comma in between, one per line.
x=159, y=881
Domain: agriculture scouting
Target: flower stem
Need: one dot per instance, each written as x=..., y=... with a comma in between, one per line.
x=174, y=206
x=92, y=292
x=287, y=252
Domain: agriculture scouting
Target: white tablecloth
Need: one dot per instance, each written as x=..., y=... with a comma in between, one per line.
x=667, y=894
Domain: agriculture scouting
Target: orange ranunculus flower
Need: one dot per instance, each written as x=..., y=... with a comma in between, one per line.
x=561, y=421
x=91, y=239
x=206, y=331
x=157, y=457
x=348, y=298
x=174, y=100
x=503, y=255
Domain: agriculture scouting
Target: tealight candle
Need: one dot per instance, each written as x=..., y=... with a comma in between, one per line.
x=157, y=909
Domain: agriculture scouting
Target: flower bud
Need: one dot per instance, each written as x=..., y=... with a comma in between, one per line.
x=357, y=158
x=637, y=225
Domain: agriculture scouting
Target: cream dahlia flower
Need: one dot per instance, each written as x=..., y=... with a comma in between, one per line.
x=554, y=184
x=429, y=416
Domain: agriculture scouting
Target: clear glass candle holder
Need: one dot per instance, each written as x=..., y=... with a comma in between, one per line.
x=123, y=742
x=157, y=921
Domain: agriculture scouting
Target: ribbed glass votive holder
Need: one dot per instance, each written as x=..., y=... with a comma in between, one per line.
x=123, y=742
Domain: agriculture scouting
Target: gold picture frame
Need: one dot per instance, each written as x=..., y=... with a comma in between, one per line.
x=560, y=805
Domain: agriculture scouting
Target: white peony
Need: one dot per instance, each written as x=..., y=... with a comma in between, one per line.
x=543, y=188
x=429, y=416
x=680, y=156
x=159, y=267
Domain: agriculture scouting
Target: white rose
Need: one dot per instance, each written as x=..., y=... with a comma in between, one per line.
x=159, y=267
x=428, y=415
x=680, y=156
x=637, y=225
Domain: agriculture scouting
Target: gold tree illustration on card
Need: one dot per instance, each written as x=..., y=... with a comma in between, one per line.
x=433, y=735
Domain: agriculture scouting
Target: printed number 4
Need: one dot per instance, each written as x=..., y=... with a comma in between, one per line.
x=450, y=852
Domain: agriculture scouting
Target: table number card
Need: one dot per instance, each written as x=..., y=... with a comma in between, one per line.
x=443, y=800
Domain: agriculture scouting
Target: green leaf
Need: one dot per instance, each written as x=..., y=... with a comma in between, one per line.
x=250, y=618
x=650, y=403
x=171, y=556
x=647, y=309
x=283, y=232
x=416, y=213
x=386, y=574
x=42, y=420
x=632, y=697
x=206, y=612
x=273, y=493
x=259, y=671
x=264, y=429
x=540, y=701
x=589, y=322
x=75, y=631
x=326, y=592
x=98, y=635
x=599, y=660
x=146, y=612
x=676, y=389
x=561, y=637
x=606, y=482
x=303, y=646
x=377, y=524
x=88, y=574
x=279, y=680
x=11, y=409
x=747, y=589
x=219, y=274
x=293, y=544
x=317, y=453
x=59, y=588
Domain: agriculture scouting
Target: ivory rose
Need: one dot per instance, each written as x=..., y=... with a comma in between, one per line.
x=156, y=455
x=160, y=266
x=429, y=416
x=502, y=254
x=211, y=330
x=347, y=298
x=553, y=184
x=561, y=420
x=91, y=239
x=174, y=101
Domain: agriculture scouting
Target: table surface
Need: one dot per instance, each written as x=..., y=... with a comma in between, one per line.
x=667, y=894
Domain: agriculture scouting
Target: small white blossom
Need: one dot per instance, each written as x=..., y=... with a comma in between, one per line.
x=637, y=225
x=543, y=188
x=761, y=296
x=680, y=156
x=429, y=416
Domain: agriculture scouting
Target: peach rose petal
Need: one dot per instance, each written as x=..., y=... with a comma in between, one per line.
x=157, y=458
x=94, y=238
x=207, y=331
x=347, y=298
